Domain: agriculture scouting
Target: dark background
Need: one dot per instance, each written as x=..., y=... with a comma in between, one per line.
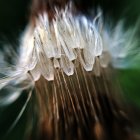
x=15, y=13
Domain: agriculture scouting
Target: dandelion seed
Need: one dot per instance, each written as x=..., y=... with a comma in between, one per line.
x=67, y=60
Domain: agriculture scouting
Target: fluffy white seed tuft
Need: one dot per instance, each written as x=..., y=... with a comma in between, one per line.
x=59, y=43
x=69, y=38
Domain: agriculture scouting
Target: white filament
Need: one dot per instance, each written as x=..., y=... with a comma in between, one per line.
x=56, y=44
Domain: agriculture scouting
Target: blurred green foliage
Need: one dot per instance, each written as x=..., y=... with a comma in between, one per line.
x=130, y=83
